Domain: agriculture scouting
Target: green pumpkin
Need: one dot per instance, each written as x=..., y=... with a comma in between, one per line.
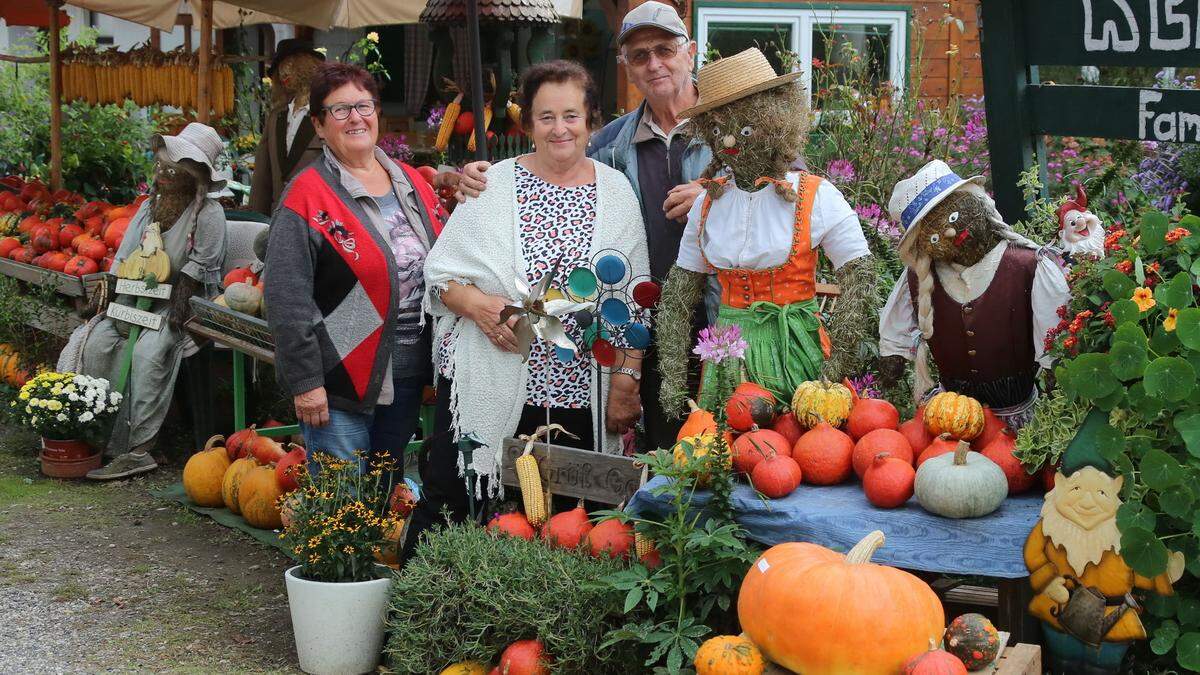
x=962, y=484
x=974, y=640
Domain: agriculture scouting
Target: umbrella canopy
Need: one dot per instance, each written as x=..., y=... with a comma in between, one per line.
x=326, y=14
x=161, y=14
x=26, y=13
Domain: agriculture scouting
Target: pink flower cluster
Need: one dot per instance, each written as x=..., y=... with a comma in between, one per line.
x=718, y=343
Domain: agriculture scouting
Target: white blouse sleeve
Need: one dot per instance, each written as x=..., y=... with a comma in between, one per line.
x=690, y=258
x=1050, y=291
x=898, y=333
x=835, y=228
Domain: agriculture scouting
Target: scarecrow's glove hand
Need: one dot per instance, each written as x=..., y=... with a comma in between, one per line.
x=891, y=369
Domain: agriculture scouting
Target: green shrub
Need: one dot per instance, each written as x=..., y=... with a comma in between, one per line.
x=467, y=594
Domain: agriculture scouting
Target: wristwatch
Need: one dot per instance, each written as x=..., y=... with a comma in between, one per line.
x=635, y=374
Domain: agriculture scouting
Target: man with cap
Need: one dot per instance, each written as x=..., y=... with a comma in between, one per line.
x=1075, y=548
x=289, y=140
x=183, y=221
x=650, y=146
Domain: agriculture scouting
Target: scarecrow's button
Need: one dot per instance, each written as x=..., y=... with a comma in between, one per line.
x=967, y=309
x=970, y=333
x=974, y=371
x=970, y=352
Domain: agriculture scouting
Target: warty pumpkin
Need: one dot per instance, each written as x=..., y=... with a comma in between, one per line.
x=728, y=655
x=258, y=498
x=961, y=485
x=243, y=297
x=819, y=401
x=232, y=482
x=204, y=472
x=818, y=612
x=696, y=447
x=955, y=414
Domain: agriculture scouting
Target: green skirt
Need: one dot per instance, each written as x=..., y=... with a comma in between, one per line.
x=783, y=346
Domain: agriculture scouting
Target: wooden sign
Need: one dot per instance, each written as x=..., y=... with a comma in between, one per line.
x=608, y=479
x=1016, y=36
x=135, y=316
x=139, y=288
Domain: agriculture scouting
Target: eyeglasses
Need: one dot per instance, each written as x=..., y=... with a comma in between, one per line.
x=664, y=51
x=341, y=111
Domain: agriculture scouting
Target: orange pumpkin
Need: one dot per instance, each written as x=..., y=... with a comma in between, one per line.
x=881, y=440
x=817, y=612
x=756, y=445
x=749, y=405
x=934, y=661
x=825, y=455
x=611, y=538
x=940, y=446
x=699, y=421
x=1000, y=451
x=232, y=482
x=389, y=549
x=513, y=524
x=204, y=472
x=916, y=433
x=869, y=414
x=776, y=477
x=955, y=414
x=888, y=482
x=790, y=427
x=728, y=655
x=993, y=426
x=567, y=529
x=258, y=498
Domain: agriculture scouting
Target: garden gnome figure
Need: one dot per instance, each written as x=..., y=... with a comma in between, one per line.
x=1083, y=588
x=975, y=293
x=1079, y=230
x=758, y=228
x=181, y=221
x=289, y=140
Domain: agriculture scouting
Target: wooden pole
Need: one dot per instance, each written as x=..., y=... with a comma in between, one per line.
x=56, y=156
x=203, y=78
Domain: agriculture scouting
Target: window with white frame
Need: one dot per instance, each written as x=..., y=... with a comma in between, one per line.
x=879, y=35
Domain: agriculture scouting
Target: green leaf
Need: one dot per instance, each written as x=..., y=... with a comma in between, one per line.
x=1187, y=651
x=1169, y=377
x=1195, y=270
x=1187, y=327
x=1143, y=552
x=1139, y=271
x=1146, y=406
x=1125, y=311
x=1154, y=231
x=1131, y=333
x=1164, y=342
x=1162, y=606
x=1177, y=293
x=632, y=599
x=1118, y=286
x=1177, y=501
x=1188, y=426
x=1128, y=360
x=1110, y=443
x=1092, y=377
x=1160, y=470
x=1189, y=611
x=1164, y=637
x=1135, y=515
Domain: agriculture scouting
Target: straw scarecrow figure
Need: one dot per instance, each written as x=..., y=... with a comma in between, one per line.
x=759, y=228
x=975, y=293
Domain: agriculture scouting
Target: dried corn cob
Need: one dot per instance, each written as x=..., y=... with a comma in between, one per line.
x=487, y=122
x=642, y=544
x=531, y=486
x=447, y=126
x=514, y=113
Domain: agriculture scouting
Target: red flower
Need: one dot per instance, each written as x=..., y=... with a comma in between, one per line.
x=1084, y=315
x=1113, y=241
x=1177, y=234
x=1070, y=343
x=1153, y=267
x=1124, y=267
x=1062, y=325
x=1109, y=320
x=1062, y=311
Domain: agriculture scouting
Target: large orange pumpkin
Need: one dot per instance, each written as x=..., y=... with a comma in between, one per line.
x=699, y=421
x=258, y=498
x=728, y=655
x=756, y=445
x=749, y=405
x=825, y=455
x=817, y=612
x=204, y=472
x=955, y=414
x=881, y=440
x=232, y=482
x=869, y=414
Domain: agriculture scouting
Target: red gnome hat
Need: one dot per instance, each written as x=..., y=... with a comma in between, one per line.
x=1077, y=204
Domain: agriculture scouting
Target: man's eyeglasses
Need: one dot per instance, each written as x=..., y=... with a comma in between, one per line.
x=664, y=52
x=341, y=111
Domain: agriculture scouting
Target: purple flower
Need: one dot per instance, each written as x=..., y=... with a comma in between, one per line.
x=866, y=385
x=396, y=147
x=435, y=115
x=718, y=343
x=840, y=171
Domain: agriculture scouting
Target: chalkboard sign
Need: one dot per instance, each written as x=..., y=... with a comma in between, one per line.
x=608, y=479
x=1017, y=36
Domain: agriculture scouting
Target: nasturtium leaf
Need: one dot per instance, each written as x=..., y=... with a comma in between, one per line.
x=1143, y=552
x=1130, y=333
x=1124, y=466
x=1195, y=270
x=1154, y=231
x=1091, y=376
x=1146, y=406
x=1164, y=637
x=1162, y=606
x=1189, y=611
x=1134, y=515
x=1187, y=651
x=1184, y=261
x=1113, y=400
x=1118, y=286
x=1191, y=222
x=1169, y=377
x=1163, y=341
x=1177, y=293
x=1125, y=311
x=1187, y=327
x=1188, y=426
x=1176, y=501
x=1128, y=360
x=1160, y=470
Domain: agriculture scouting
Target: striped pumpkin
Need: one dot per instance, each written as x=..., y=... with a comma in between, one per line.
x=954, y=414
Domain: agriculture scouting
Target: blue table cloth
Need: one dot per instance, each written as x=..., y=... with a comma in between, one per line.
x=839, y=516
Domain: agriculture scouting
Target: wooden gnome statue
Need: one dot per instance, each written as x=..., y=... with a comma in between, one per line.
x=1083, y=587
x=1080, y=233
x=758, y=228
x=975, y=293
x=289, y=139
x=176, y=236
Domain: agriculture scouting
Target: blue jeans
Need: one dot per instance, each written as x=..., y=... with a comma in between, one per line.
x=384, y=432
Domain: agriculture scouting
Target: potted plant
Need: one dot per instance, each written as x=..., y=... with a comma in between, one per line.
x=338, y=521
x=65, y=408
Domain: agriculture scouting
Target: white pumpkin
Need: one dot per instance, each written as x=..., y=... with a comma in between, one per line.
x=962, y=484
x=244, y=298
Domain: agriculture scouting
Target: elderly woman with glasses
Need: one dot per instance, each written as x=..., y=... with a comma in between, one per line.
x=344, y=279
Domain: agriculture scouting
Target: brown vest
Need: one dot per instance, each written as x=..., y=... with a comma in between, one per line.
x=984, y=348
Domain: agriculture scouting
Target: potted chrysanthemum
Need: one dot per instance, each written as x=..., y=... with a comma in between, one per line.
x=65, y=409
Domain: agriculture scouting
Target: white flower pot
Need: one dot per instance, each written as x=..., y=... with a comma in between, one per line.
x=339, y=627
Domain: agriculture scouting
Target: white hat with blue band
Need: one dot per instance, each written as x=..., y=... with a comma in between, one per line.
x=914, y=197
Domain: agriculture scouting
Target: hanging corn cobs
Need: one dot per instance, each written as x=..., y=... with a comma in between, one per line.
x=447, y=127
x=145, y=76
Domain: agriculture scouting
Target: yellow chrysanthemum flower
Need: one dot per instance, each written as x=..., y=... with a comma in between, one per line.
x=373, y=37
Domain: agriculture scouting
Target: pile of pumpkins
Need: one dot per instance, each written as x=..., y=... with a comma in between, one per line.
x=11, y=371
x=59, y=231
x=523, y=657
x=815, y=611
x=573, y=529
x=243, y=292
x=955, y=455
x=246, y=474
